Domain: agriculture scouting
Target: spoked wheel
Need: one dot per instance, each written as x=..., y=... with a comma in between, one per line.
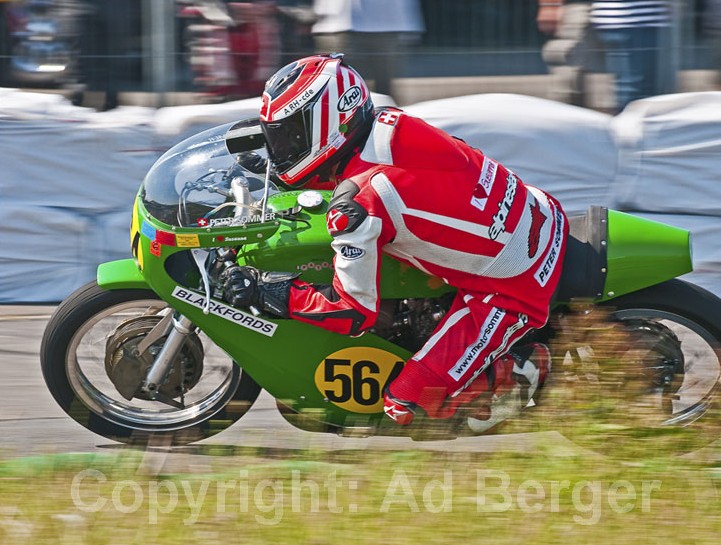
x=646, y=377
x=89, y=365
x=678, y=365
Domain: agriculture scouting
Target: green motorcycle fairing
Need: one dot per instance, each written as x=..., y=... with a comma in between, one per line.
x=642, y=253
x=303, y=366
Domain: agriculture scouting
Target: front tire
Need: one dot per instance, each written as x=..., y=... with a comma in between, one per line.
x=72, y=357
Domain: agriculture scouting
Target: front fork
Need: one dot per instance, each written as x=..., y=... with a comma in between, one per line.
x=181, y=327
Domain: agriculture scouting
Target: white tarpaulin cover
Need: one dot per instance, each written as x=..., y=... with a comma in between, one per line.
x=670, y=155
x=70, y=174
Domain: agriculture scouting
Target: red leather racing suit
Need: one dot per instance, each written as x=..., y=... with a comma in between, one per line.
x=437, y=204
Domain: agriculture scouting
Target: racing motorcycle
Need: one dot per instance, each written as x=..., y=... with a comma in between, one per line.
x=150, y=349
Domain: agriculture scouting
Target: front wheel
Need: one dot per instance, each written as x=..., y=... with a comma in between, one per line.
x=642, y=372
x=83, y=359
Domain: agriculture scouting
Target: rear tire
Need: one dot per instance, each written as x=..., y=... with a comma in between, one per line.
x=651, y=382
x=78, y=382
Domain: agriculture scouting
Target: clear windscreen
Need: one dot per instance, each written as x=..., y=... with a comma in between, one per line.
x=195, y=184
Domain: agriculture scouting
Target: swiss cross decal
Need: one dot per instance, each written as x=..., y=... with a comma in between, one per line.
x=336, y=221
x=388, y=118
x=202, y=222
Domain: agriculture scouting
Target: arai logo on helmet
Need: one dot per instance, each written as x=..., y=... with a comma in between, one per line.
x=350, y=99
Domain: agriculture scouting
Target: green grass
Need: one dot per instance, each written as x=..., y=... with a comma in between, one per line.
x=406, y=497
x=554, y=494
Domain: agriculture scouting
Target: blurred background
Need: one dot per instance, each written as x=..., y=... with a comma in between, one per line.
x=101, y=53
x=600, y=103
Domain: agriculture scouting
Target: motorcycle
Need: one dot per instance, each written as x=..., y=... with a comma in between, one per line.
x=150, y=349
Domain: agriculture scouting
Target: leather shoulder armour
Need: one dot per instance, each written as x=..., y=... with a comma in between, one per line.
x=344, y=213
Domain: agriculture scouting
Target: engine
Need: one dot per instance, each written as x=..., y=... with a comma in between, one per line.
x=410, y=322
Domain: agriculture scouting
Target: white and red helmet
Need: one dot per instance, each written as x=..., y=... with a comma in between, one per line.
x=314, y=111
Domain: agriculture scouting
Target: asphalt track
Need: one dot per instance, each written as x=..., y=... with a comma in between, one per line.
x=31, y=423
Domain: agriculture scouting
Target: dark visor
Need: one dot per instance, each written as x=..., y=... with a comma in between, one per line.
x=288, y=140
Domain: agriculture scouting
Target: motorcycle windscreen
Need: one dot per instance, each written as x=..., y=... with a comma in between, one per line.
x=189, y=186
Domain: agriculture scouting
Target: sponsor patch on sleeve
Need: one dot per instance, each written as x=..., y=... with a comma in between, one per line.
x=351, y=252
x=388, y=118
x=485, y=184
x=345, y=214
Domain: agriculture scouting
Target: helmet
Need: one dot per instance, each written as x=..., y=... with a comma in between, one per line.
x=314, y=112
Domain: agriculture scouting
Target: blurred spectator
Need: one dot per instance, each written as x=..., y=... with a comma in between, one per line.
x=233, y=47
x=712, y=20
x=295, y=19
x=634, y=36
x=38, y=41
x=110, y=51
x=374, y=35
x=69, y=15
x=572, y=50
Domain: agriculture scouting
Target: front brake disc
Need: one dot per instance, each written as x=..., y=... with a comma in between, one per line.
x=127, y=368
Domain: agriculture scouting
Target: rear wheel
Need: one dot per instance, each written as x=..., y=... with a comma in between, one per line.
x=86, y=365
x=643, y=371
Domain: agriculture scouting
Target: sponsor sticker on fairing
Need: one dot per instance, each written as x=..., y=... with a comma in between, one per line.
x=156, y=248
x=226, y=312
x=187, y=240
x=240, y=220
x=148, y=230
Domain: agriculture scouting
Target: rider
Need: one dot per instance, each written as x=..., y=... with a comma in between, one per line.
x=428, y=199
